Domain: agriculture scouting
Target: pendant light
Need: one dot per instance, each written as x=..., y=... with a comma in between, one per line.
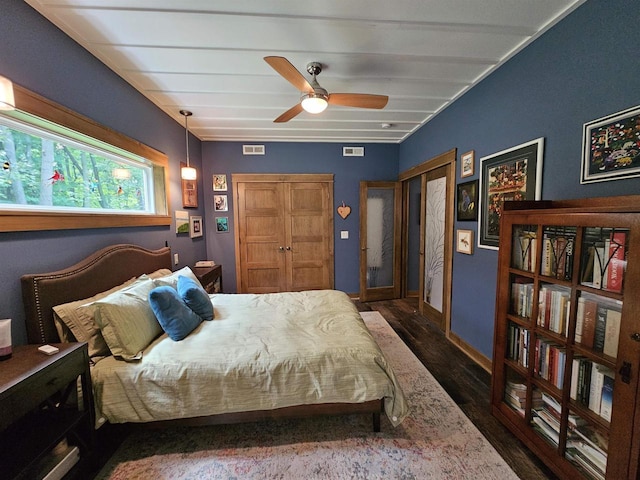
x=188, y=172
x=7, y=101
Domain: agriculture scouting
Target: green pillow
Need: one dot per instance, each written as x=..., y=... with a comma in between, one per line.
x=196, y=297
x=175, y=317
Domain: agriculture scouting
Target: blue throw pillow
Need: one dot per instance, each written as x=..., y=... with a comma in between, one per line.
x=195, y=297
x=175, y=317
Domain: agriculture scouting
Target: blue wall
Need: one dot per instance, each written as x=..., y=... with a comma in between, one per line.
x=582, y=69
x=40, y=57
x=379, y=163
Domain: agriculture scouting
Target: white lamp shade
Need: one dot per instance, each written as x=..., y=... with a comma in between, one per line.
x=7, y=101
x=188, y=173
x=314, y=103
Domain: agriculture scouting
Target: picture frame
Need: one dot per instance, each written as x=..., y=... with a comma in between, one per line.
x=219, y=183
x=510, y=175
x=611, y=147
x=467, y=161
x=189, y=191
x=182, y=221
x=195, y=226
x=220, y=203
x=467, y=201
x=222, y=224
x=464, y=241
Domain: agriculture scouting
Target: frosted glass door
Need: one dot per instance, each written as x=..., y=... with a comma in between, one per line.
x=434, y=243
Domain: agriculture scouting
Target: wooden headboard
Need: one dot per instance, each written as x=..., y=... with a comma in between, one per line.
x=102, y=270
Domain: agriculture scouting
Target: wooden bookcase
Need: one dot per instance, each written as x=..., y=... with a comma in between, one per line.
x=566, y=356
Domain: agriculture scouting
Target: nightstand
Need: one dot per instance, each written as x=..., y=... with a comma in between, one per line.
x=210, y=278
x=38, y=408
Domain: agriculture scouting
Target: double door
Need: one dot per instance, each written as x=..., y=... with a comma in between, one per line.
x=284, y=232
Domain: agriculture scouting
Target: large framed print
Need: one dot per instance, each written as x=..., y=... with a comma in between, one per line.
x=611, y=147
x=510, y=175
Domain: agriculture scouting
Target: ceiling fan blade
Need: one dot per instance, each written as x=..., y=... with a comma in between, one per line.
x=289, y=72
x=361, y=100
x=289, y=114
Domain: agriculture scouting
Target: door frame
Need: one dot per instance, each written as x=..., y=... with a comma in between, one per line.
x=447, y=160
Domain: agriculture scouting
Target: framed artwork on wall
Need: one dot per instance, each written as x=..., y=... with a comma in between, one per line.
x=510, y=175
x=464, y=241
x=220, y=183
x=182, y=221
x=222, y=224
x=220, y=203
x=195, y=226
x=611, y=147
x=189, y=191
x=467, y=201
x=466, y=164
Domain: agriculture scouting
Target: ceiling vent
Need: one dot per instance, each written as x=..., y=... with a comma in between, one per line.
x=253, y=149
x=353, y=151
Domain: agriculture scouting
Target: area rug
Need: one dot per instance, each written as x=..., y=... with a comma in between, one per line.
x=436, y=441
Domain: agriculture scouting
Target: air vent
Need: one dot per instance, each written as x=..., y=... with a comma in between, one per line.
x=353, y=151
x=253, y=149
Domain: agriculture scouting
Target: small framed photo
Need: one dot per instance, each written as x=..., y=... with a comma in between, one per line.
x=182, y=221
x=220, y=183
x=195, y=226
x=220, y=203
x=611, y=147
x=466, y=164
x=222, y=224
x=467, y=201
x=464, y=241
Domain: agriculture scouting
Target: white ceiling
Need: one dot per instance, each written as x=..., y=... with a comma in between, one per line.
x=207, y=56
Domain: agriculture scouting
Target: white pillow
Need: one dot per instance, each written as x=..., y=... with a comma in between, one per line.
x=172, y=279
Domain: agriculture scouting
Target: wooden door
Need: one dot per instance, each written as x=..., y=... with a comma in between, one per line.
x=260, y=226
x=309, y=236
x=380, y=235
x=284, y=232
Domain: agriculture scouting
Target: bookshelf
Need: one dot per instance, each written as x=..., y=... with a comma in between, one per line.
x=566, y=357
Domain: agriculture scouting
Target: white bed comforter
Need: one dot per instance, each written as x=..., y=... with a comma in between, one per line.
x=261, y=352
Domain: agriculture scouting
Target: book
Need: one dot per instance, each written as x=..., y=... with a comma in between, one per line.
x=606, y=402
x=579, y=320
x=595, y=388
x=598, y=266
x=600, y=328
x=617, y=262
x=612, y=333
x=589, y=322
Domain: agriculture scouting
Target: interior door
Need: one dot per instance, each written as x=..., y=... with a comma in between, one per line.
x=262, y=254
x=436, y=240
x=380, y=234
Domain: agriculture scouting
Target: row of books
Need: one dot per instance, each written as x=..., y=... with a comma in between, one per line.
x=592, y=385
x=598, y=323
x=604, y=262
x=553, y=308
x=515, y=394
x=518, y=344
x=522, y=297
x=550, y=361
x=557, y=252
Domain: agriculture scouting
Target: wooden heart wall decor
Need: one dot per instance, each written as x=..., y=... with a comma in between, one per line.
x=344, y=210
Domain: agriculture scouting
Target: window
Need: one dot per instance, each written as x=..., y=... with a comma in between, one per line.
x=61, y=170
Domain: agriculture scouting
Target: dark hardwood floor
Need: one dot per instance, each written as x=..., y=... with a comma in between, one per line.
x=466, y=383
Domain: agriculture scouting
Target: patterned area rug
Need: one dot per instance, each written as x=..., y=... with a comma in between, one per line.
x=436, y=441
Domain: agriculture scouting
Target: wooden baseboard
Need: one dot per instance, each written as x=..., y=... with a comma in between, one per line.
x=471, y=352
x=412, y=294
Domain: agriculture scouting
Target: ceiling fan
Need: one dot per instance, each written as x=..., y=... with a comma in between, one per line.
x=314, y=98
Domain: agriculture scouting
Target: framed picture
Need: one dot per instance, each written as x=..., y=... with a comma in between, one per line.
x=510, y=175
x=466, y=164
x=182, y=221
x=222, y=224
x=220, y=203
x=220, y=183
x=195, y=226
x=464, y=241
x=611, y=147
x=189, y=192
x=467, y=201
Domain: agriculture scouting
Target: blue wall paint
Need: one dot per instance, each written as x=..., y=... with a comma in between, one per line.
x=379, y=163
x=40, y=57
x=582, y=69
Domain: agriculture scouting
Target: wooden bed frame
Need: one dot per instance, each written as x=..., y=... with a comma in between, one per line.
x=113, y=266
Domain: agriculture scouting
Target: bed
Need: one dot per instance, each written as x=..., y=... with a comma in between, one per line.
x=262, y=356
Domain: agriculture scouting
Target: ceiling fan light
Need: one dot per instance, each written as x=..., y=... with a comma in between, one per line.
x=314, y=102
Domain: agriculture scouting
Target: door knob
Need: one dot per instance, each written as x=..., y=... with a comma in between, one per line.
x=281, y=249
x=288, y=248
